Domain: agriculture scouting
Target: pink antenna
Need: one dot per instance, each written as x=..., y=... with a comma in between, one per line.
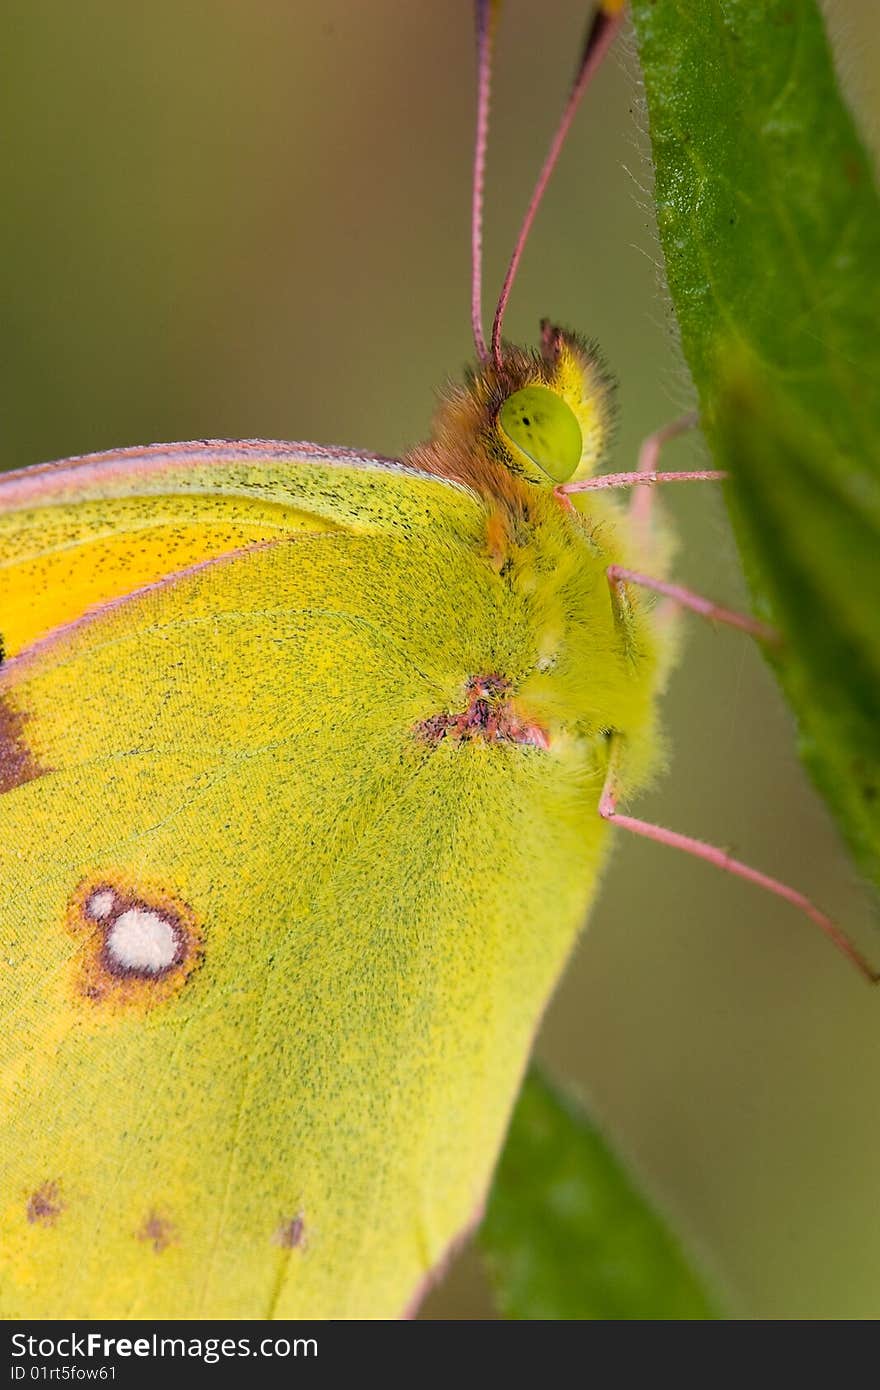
x=603, y=27
x=485, y=12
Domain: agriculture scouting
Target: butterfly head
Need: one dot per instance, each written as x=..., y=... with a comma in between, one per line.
x=541, y=417
x=550, y=414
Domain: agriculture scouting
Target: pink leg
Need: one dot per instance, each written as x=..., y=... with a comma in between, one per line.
x=722, y=860
x=649, y=457
x=618, y=576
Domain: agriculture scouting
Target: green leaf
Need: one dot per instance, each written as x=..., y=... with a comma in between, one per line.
x=568, y=1234
x=770, y=225
x=815, y=531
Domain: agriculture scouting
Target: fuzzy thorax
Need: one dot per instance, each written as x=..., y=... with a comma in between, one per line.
x=592, y=662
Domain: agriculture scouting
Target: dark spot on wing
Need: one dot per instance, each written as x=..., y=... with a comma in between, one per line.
x=489, y=716
x=17, y=763
x=45, y=1205
x=157, y=1231
x=290, y=1234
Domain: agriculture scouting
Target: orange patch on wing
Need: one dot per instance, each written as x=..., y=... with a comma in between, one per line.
x=41, y=592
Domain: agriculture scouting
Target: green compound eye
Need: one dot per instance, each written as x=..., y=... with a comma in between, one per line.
x=539, y=424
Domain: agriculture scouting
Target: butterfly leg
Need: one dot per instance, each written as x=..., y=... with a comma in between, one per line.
x=712, y=854
x=642, y=498
x=618, y=576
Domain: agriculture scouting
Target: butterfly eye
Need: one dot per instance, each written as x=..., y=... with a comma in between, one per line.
x=538, y=423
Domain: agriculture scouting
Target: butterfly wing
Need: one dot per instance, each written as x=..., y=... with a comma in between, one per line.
x=86, y=530
x=272, y=965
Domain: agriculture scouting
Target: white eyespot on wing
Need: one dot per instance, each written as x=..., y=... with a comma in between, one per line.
x=135, y=952
x=101, y=904
x=142, y=941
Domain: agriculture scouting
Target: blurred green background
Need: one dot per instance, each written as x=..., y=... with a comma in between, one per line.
x=229, y=220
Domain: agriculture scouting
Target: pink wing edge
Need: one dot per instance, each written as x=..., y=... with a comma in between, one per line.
x=40, y=480
x=439, y=1270
x=43, y=481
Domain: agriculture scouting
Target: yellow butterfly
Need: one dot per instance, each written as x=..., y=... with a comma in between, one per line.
x=307, y=759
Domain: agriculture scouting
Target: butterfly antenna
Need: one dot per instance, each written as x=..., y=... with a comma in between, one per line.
x=600, y=34
x=485, y=15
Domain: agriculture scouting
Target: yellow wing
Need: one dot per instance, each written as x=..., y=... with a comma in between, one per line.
x=294, y=843
x=86, y=530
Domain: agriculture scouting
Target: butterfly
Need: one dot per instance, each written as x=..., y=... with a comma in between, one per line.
x=308, y=763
